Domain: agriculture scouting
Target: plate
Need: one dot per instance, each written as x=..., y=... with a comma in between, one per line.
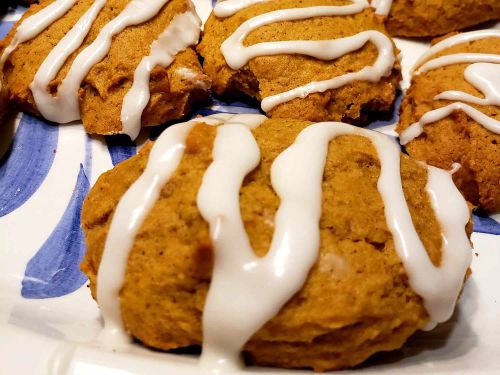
x=48, y=318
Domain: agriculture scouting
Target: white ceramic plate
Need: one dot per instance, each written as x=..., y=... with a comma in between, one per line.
x=48, y=318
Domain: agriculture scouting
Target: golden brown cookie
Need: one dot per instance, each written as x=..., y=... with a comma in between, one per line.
x=265, y=76
x=356, y=300
x=102, y=91
x=457, y=138
x=437, y=17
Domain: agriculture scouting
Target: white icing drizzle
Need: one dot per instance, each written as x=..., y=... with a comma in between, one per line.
x=455, y=167
x=58, y=56
x=441, y=285
x=129, y=215
x=237, y=55
x=64, y=107
x=459, y=58
x=259, y=287
x=227, y=8
x=417, y=128
x=182, y=32
x=382, y=7
x=34, y=25
x=455, y=40
x=483, y=74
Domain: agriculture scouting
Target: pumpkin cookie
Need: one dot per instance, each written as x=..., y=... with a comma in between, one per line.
x=277, y=240
x=117, y=64
x=312, y=60
x=451, y=113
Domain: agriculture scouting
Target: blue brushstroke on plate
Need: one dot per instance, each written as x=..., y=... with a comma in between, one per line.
x=485, y=224
x=24, y=167
x=5, y=27
x=221, y=106
x=120, y=148
x=55, y=269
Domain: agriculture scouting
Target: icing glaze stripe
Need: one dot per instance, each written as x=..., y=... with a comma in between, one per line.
x=58, y=56
x=382, y=7
x=64, y=107
x=455, y=40
x=459, y=58
x=483, y=74
x=227, y=8
x=257, y=287
x=485, y=78
x=244, y=279
x=237, y=55
x=453, y=215
x=35, y=24
x=131, y=211
x=417, y=128
x=182, y=32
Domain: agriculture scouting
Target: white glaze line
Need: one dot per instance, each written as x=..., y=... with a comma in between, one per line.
x=438, y=286
x=64, y=107
x=458, y=58
x=485, y=78
x=237, y=55
x=60, y=53
x=455, y=167
x=182, y=32
x=417, y=128
x=453, y=215
x=483, y=74
x=227, y=8
x=381, y=68
x=256, y=287
x=34, y=25
x=382, y=7
x=129, y=215
x=455, y=40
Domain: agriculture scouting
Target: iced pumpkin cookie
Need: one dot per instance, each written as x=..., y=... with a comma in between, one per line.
x=434, y=17
x=451, y=113
x=117, y=64
x=311, y=59
x=302, y=245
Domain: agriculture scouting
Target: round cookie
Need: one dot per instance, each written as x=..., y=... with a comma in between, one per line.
x=267, y=77
x=357, y=299
x=103, y=88
x=457, y=138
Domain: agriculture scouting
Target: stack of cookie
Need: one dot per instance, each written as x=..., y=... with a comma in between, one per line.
x=297, y=237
